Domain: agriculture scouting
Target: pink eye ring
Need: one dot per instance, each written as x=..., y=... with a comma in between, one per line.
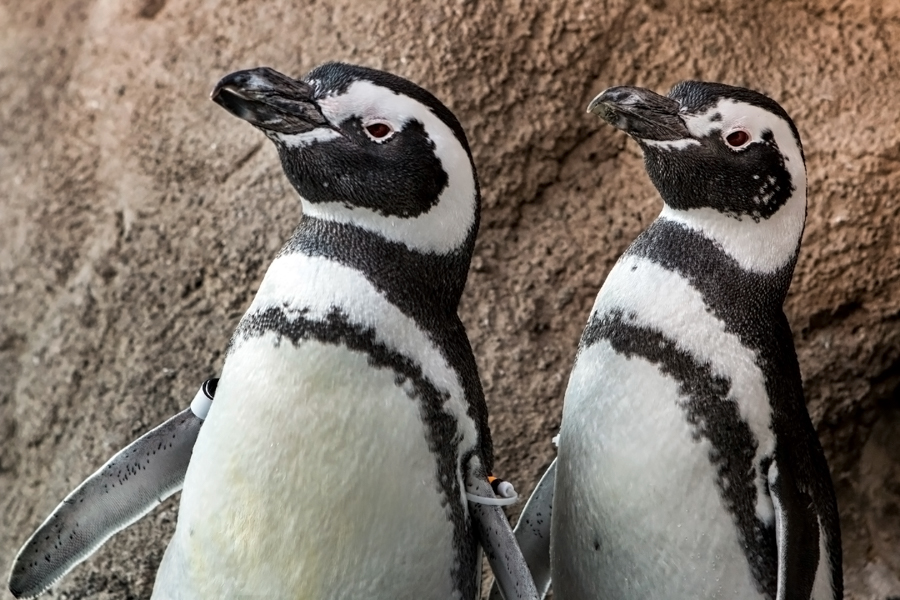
x=737, y=138
x=379, y=130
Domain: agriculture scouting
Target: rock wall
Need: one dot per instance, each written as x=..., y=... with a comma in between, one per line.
x=137, y=218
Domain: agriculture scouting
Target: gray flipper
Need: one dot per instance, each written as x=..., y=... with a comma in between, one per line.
x=797, y=535
x=478, y=562
x=533, y=533
x=499, y=544
x=126, y=488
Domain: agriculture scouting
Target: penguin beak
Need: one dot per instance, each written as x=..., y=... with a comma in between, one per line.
x=269, y=100
x=642, y=114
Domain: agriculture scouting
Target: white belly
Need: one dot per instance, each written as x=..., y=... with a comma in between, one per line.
x=637, y=512
x=311, y=479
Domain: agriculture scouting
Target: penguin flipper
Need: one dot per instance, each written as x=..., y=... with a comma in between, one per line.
x=797, y=535
x=533, y=533
x=127, y=487
x=499, y=543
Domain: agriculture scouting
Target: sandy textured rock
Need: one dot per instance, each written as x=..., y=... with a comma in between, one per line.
x=137, y=218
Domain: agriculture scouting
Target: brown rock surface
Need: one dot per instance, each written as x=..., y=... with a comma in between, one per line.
x=137, y=218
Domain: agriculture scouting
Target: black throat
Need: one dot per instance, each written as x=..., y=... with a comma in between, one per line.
x=423, y=286
x=426, y=287
x=741, y=298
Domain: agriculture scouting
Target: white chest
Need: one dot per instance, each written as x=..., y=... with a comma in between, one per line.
x=315, y=475
x=312, y=478
x=638, y=511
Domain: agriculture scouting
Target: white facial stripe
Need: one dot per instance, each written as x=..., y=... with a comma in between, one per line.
x=767, y=245
x=444, y=227
x=755, y=120
x=684, y=318
x=671, y=144
x=314, y=286
x=302, y=140
x=758, y=247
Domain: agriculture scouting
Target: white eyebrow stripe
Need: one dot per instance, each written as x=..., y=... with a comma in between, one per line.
x=671, y=144
x=447, y=225
x=302, y=140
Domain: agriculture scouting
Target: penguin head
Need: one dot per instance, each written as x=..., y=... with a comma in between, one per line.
x=725, y=159
x=366, y=148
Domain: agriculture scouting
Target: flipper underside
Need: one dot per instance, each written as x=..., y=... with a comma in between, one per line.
x=511, y=574
x=127, y=487
x=533, y=535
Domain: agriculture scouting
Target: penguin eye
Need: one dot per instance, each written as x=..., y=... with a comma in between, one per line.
x=379, y=131
x=737, y=138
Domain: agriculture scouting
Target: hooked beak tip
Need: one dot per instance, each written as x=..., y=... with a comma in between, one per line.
x=600, y=104
x=222, y=91
x=269, y=100
x=640, y=113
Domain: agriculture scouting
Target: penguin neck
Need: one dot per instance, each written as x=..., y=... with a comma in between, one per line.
x=762, y=246
x=700, y=258
x=415, y=282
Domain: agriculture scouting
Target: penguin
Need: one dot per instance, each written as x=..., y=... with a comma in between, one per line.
x=688, y=466
x=141, y=476
x=347, y=454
